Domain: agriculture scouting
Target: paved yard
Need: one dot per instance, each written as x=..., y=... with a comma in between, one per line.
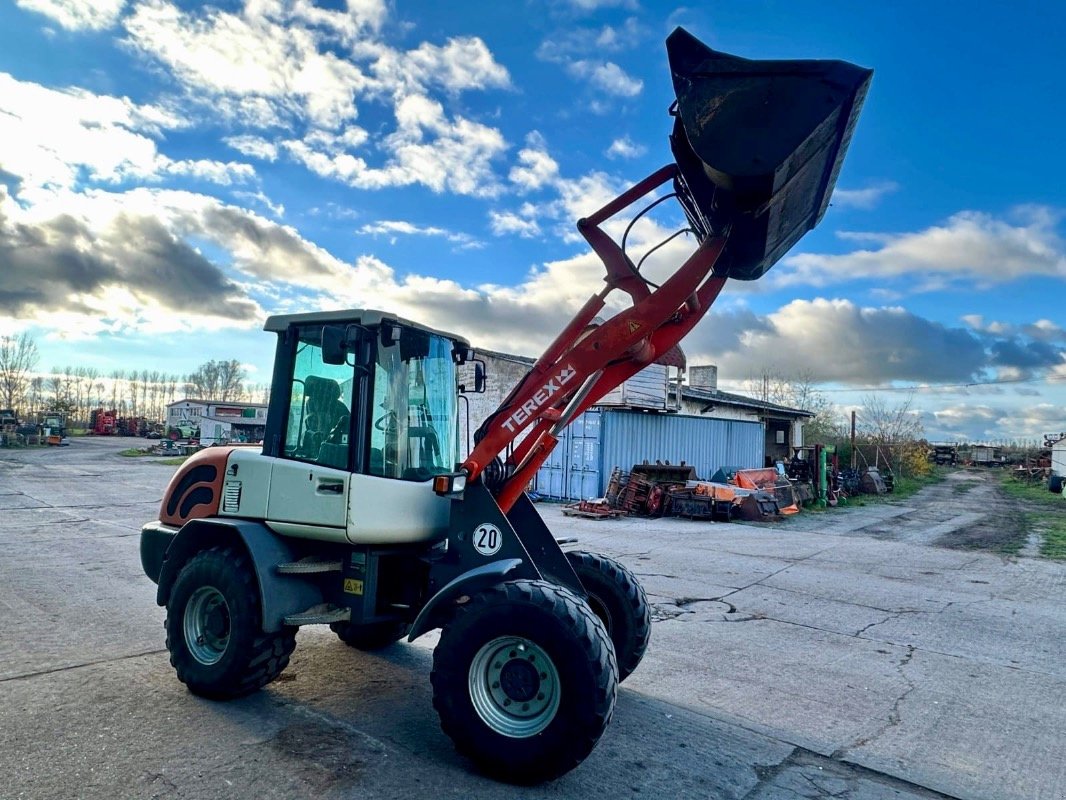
x=840, y=654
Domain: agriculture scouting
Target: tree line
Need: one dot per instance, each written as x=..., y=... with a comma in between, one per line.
x=77, y=391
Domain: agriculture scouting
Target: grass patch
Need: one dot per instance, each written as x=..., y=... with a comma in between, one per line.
x=134, y=452
x=1051, y=523
x=172, y=462
x=1033, y=493
x=1054, y=544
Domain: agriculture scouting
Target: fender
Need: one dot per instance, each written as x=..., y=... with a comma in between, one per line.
x=279, y=595
x=470, y=582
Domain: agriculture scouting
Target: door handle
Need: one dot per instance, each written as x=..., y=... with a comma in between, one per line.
x=329, y=486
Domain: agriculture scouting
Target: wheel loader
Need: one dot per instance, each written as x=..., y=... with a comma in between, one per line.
x=361, y=513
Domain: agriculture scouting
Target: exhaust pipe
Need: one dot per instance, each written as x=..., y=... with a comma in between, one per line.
x=758, y=145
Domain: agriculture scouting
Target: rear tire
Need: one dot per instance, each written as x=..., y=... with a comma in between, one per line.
x=618, y=599
x=214, y=631
x=373, y=636
x=524, y=680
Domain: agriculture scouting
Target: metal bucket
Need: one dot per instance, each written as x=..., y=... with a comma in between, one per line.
x=759, y=145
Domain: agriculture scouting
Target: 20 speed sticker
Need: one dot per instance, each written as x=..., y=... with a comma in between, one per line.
x=487, y=539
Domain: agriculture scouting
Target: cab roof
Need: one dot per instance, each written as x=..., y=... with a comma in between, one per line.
x=368, y=318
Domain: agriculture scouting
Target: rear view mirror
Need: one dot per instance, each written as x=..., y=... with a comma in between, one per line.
x=334, y=348
x=479, y=377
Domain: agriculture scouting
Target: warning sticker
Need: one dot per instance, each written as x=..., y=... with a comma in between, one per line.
x=352, y=586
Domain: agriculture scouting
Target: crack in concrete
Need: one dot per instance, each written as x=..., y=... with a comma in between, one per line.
x=30, y=675
x=895, y=715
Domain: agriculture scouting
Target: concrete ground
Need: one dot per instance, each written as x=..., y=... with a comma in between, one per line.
x=840, y=654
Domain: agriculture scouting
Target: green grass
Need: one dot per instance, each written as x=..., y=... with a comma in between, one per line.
x=1054, y=544
x=1050, y=522
x=134, y=452
x=171, y=462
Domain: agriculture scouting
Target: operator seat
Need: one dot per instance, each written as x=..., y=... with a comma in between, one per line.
x=325, y=425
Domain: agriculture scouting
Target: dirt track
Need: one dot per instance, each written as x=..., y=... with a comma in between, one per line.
x=967, y=511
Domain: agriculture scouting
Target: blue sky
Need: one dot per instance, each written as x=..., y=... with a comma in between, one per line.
x=171, y=173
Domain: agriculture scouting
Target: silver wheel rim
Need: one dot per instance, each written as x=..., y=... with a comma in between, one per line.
x=207, y=625
x=514, y=687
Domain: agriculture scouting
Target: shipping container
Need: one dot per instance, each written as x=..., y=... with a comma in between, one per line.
x=602, y=439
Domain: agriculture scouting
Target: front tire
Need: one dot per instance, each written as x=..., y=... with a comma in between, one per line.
x=618, y=599
x=214, y=634
x=524, y=680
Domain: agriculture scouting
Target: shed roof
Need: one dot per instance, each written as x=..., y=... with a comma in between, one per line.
x=718, y=397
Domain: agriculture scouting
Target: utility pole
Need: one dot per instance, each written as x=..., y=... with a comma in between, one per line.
x=854, y=459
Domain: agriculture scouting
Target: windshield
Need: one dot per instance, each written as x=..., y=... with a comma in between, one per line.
x=413, y=435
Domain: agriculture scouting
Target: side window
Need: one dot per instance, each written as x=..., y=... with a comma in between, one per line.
x=319, y=406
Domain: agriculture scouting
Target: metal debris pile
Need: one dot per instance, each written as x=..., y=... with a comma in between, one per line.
x=766, y=494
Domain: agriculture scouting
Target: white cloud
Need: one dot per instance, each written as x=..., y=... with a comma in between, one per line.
x=75, y=15
x=625, y=148
x=863, y=198
x=506, y=222
x=254, y=54
x=971, y=247
x=254, y=146
x=57, y=139
x=400, y=227
x=536, y=167
x=607, y=77
x=463, y=63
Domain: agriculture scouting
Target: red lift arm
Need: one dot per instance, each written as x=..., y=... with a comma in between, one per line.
x=758, y=146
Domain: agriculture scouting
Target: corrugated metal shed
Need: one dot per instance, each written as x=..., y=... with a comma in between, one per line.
x=599, y=440
x=706, y=444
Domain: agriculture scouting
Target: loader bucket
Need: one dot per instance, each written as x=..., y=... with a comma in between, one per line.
x=758, y=145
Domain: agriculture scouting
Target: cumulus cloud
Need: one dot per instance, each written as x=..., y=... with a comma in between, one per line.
x=625, y=148
x=839, y=341
x=275, y=66
x=55, y=139
x=124, y=267
x=255, y=146
x=507, y=222
x=536, y=168
x=969, y=247
x=75, y=15
x=606, y=76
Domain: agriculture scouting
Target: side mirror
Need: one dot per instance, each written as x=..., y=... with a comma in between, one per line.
x=390, y=334
x=334, y=345
x=479, y=377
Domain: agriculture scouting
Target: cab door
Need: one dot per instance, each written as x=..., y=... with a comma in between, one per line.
x=310, y=478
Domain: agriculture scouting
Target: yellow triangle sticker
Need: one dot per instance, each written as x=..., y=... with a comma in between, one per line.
x=634, y=326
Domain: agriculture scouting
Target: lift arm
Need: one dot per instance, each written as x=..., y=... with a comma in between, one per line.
x=757, y=146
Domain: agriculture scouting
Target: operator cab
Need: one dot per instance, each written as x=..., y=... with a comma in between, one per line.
x=365, y=392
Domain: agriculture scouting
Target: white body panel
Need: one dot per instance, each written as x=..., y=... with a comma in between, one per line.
x=252, y=477
x=296, y=498
x=388, y=511
x=310, y=496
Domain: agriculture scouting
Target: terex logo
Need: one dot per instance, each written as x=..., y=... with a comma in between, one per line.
x=540, y=398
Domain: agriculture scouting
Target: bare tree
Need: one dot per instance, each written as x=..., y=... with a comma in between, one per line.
x=882, y=423
x=18, y=358
x=217, y=380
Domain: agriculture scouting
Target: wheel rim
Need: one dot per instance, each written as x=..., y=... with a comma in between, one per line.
x=514, y=687
x=207, y=625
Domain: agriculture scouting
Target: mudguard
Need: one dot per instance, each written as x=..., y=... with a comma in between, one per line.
x=280, y=595
x=471, y=582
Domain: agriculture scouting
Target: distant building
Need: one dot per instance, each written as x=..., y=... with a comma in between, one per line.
x=218, y=421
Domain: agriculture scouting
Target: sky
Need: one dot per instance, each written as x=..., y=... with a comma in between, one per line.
x=173, y=173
